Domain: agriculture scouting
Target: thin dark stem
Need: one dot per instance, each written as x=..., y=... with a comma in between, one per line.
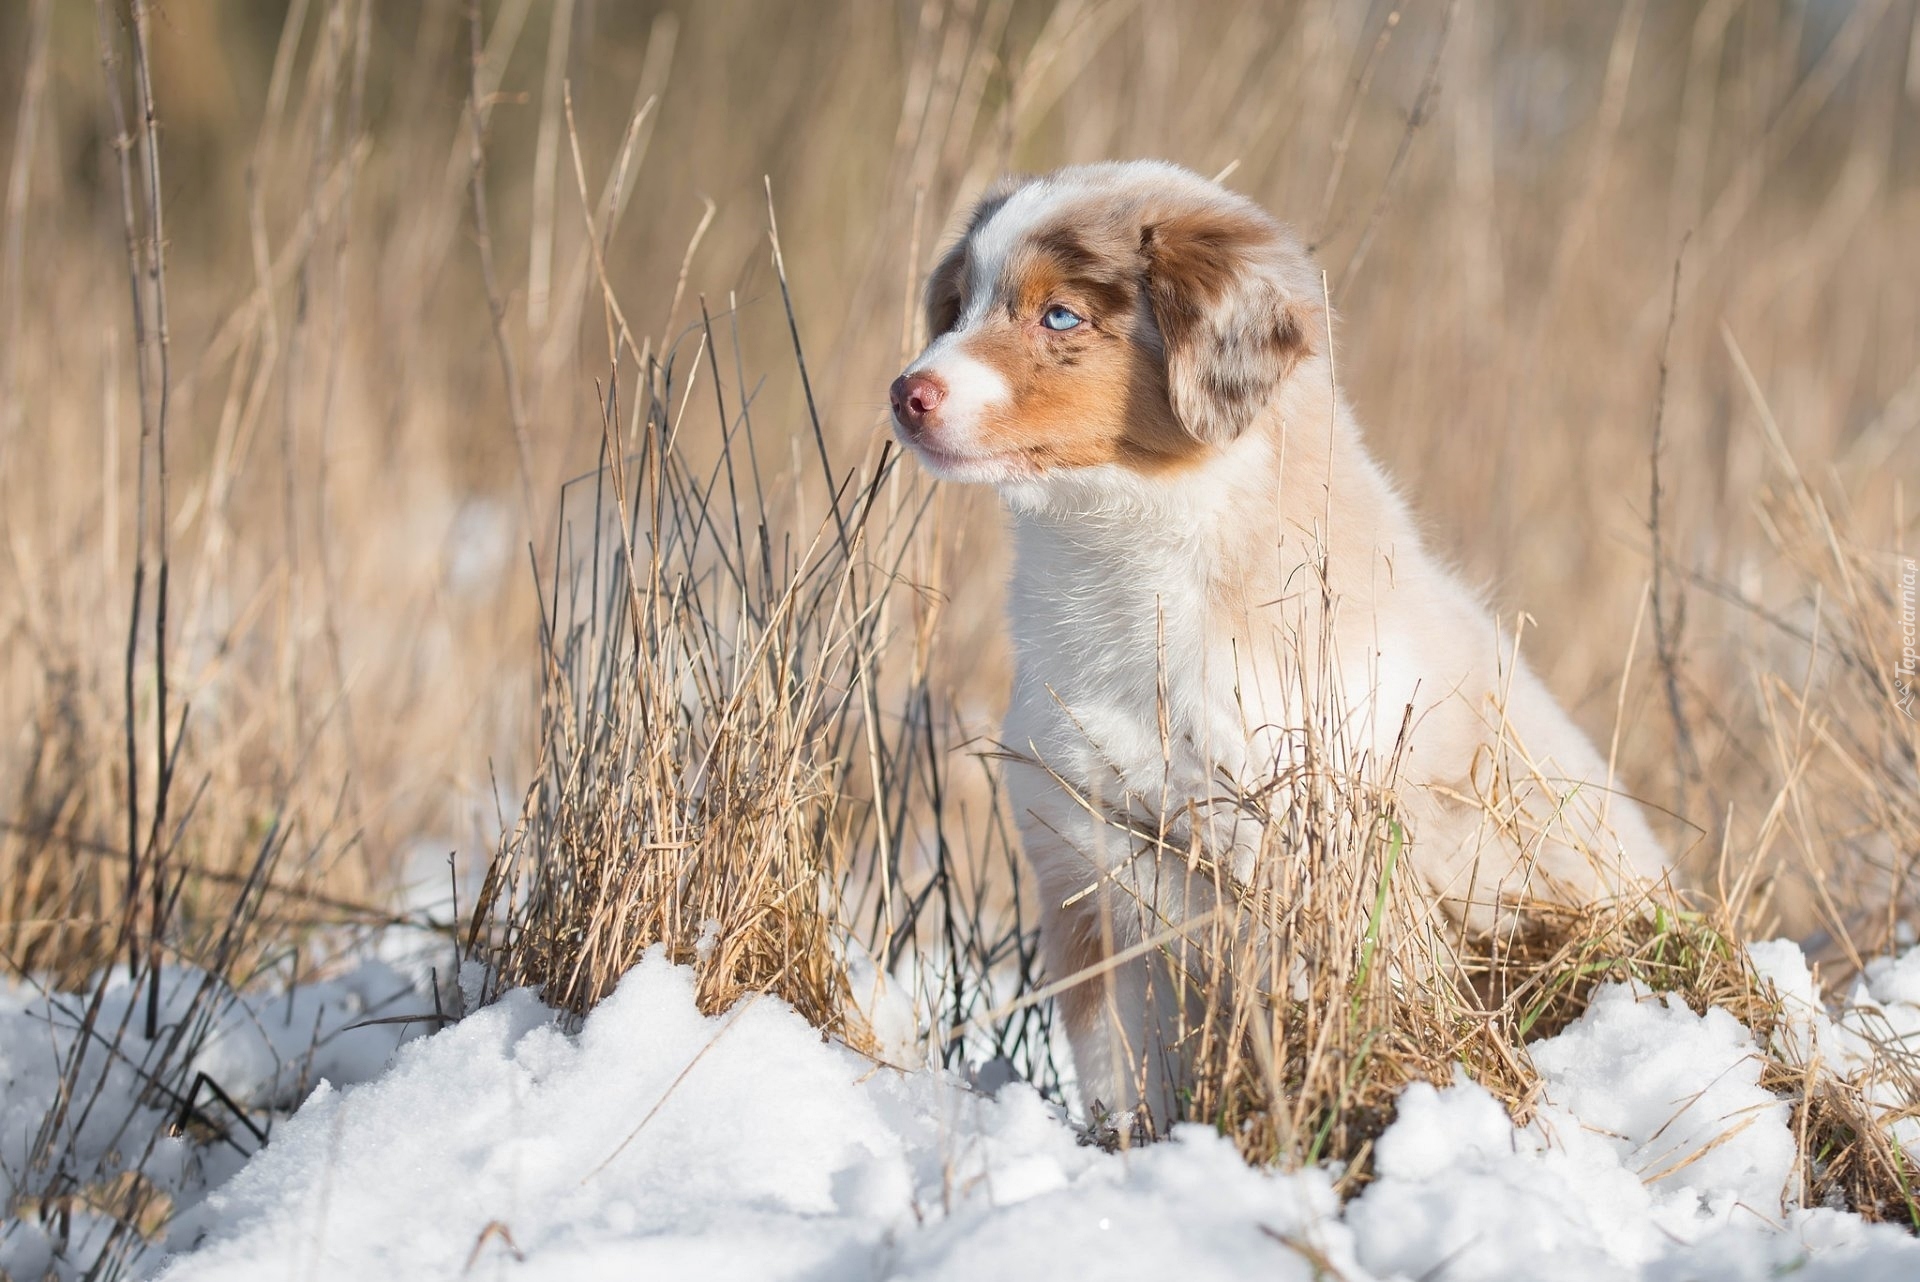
x=123, y=146
x=164, y=758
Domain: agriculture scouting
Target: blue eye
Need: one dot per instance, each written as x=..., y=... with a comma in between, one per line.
x=1058, y=317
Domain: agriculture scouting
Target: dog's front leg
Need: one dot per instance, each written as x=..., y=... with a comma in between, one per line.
x=1121, y=1012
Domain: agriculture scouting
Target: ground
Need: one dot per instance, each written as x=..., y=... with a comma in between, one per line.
x=657, y=1141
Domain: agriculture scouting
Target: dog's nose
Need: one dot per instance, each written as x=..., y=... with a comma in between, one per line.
x=915, y=397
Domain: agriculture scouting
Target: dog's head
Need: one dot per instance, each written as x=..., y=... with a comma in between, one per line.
x=1129, y=314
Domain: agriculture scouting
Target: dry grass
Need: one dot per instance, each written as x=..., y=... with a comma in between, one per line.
x=413, y=291
x=704, y=701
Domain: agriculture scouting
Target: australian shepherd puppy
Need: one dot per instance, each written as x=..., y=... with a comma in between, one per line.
x=1137, y=360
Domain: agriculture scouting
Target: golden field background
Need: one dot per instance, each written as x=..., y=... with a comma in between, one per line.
x=359, y=512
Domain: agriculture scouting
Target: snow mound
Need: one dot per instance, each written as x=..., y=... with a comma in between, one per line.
x=660, y=1142
x=1677, y=1096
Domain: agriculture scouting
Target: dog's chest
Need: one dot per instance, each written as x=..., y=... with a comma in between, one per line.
x=1126, y=687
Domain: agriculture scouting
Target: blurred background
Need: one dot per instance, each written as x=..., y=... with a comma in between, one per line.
x=1550, y=231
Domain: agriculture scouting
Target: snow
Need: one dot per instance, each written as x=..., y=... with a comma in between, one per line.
x=263, y=1054
x=1677, y=1097
x=1873, y=1040
x=656, y=1141
x=740, y=1146
x=1655, y=1152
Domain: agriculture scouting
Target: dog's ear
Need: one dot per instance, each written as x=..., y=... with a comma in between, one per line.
x=945, y=290
x=1227, y=293
x=946, y=284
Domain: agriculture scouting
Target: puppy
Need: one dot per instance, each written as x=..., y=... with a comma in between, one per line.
x=1137, y=360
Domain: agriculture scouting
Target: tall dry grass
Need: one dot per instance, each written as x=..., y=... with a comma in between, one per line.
x=423, y=267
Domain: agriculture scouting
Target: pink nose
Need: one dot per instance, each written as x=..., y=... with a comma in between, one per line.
x=915, y=398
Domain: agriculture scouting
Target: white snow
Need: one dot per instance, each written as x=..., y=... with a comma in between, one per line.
x=657, y=1141
x=1872, y=1041
x=1654, y=1153
x=1677, y=1097
x=660, y=1142
x=262, y=1053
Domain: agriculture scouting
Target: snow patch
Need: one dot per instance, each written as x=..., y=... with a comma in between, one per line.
x=263, y=1053
x=1677, y=1096
x=658, y=1141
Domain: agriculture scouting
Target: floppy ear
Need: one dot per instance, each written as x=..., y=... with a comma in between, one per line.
x=1227, y=293
x=946, y=284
